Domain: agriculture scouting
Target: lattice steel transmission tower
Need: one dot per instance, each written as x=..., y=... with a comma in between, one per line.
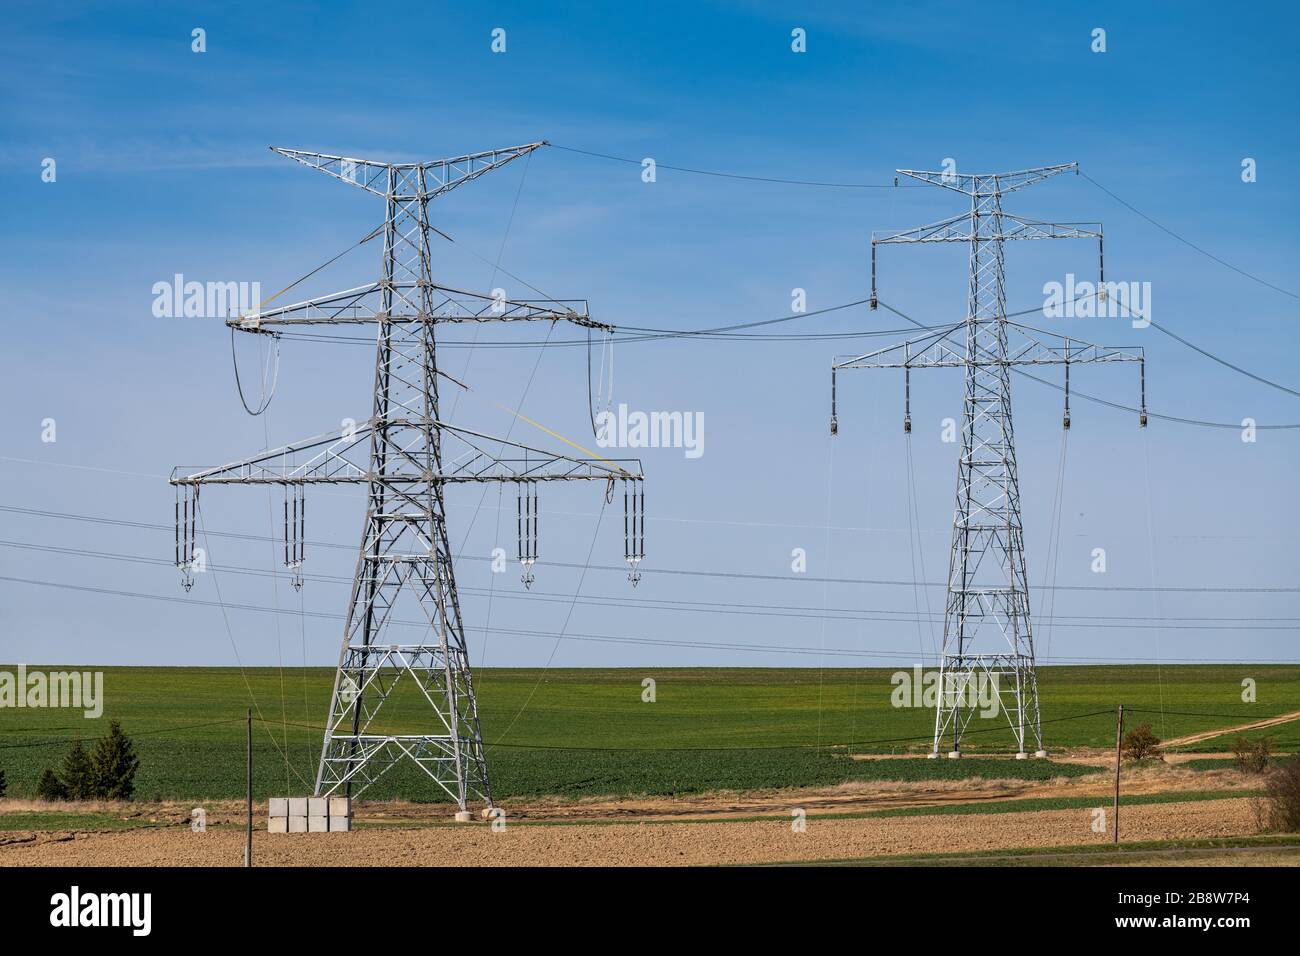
x=405, y=456
x=987, y=633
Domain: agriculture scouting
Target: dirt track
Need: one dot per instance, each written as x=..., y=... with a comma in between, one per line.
x=645, y=844
x=1211, y=734
x=845, y=798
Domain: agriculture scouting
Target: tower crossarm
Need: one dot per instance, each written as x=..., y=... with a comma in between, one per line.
x=1025, y=346
x=971, y=184
x=1008, y=227
x=935, y=349
x=443, y=175
x=439, y=176
x=1021, y=345
x=953, y=229
x=332, y=459
x=986, y=224
x=364, y=304
x=466, y=458
x=1030, y=346
x=1020, y=227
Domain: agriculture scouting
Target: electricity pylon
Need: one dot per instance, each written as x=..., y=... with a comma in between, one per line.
x=406, y=455
x=987, y=633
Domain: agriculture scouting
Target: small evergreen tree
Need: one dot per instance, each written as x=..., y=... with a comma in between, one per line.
x=3, y=784
x=76, y=775
x=113, y=765
x=51, y=787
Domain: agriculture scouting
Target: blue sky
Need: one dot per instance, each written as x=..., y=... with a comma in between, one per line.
x=163, y=168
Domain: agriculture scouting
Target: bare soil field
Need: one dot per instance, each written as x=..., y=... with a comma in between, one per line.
x=646, y=843
x=714, y=828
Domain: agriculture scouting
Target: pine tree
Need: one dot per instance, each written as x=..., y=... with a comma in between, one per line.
x=113, y=765
x=76, y=776
x=51, y=787
x=3, y=784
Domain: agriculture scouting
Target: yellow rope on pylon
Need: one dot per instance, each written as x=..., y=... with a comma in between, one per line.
x=555, y=434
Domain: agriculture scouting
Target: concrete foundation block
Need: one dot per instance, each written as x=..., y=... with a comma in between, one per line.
x=308, y=815
x=464, y=816
x=1040, y=753
x=1022, y=756
x=954, y=754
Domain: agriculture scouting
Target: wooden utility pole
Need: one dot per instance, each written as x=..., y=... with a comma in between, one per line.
x=248, y=842
x=1119, y=736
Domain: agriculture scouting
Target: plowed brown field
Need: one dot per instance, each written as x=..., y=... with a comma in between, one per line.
x=644, y=843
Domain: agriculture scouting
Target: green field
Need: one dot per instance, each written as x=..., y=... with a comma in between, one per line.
x=587, y=732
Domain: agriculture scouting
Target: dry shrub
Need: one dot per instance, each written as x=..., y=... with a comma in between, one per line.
x=1140, y=743
x=1252, y=757
x=1279, y=808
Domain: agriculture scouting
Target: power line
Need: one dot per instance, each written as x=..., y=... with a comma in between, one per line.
x=723, y=335
x=722, y=175
x=1213, y=589
x=664, y=518
x=848, y=743
x=1188, y=242
x=1196, y=348
x=1074, y=392
x=579, y=748
x=589, y=749
x=721, y=331
x=626, y=334
x=896, y=185
x=1224, y=362
x=900, y=615
x=818, y=746
x=134, y=733
x=798, y=650
x=586, y=749
x=1187, y=713
x=1119, y=405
